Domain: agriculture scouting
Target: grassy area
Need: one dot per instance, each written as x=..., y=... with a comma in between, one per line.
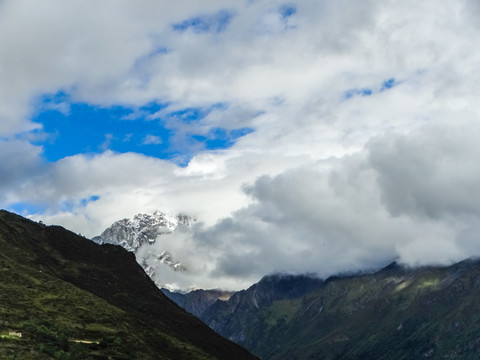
x=9, y=336
x=281, y=311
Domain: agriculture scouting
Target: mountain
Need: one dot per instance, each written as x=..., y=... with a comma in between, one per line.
x=143, y=229
x=240, y=318
x=395, y=313
x=197, y=301
x=64, y=297
x=146, y=232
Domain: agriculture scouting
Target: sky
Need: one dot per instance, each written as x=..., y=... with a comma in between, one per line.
x=318, y=136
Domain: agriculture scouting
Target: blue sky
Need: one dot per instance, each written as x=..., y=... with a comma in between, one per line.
x=217, y=22
x=70, y=128
x=386, y=85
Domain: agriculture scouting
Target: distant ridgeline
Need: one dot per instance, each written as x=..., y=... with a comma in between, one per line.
x=65, y=297
x=396, y=313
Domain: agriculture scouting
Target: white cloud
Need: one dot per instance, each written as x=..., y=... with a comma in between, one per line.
x=337, y=217
x=333, y=183
x=407, y=197
x=19, y=162
x=152, y=140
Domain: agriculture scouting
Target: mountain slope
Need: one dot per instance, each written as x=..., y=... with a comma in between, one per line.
x=73, y=299
x=396, y=313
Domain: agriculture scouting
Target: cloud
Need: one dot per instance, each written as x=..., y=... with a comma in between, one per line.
x=19, y=160
x=363, y=133
x=151, y=140
x=337, y=216
x=430, y=174
x=398, y=198
x=105, y=145
x=301, y=221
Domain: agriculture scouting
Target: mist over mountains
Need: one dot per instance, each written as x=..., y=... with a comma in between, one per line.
x=395, y=312
x=181, y=253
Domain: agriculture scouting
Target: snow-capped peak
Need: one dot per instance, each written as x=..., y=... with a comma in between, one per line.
x=147, y=236
x=143, y=229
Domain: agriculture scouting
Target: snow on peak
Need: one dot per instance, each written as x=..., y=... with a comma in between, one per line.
x=143, y=229
x=143, y=235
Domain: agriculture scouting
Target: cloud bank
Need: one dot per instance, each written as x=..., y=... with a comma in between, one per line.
x=409, y=198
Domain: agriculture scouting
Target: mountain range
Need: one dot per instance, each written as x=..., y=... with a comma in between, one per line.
x=64, y=297
x=395, y=313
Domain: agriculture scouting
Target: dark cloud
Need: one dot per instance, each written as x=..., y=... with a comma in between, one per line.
x=19, y=162
x=407, y=197
x=431, y=173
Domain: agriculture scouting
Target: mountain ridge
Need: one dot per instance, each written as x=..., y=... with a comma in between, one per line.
x=396, y=312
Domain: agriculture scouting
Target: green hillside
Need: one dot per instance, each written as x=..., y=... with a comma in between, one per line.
x=396, y=313
x=64, y=297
